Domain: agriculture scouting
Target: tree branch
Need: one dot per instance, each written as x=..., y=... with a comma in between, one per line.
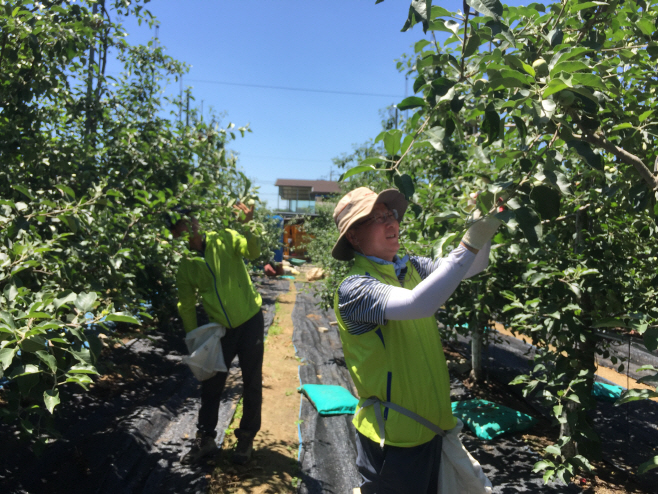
x=600, y=141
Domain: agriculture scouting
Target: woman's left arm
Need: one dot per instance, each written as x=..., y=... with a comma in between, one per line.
x=431, y=293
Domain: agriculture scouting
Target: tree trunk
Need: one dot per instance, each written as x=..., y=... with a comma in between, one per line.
x=477, y=337
x=584, y=356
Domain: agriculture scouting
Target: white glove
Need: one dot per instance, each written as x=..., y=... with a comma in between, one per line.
x=481, y=232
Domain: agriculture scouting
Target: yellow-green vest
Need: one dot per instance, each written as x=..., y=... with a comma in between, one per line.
x=401, y=362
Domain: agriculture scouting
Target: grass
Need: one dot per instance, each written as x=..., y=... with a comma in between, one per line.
x=236, y=419
x=275, y=329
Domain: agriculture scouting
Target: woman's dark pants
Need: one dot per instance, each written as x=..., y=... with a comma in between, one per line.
x=245, y=341
x=393, y=470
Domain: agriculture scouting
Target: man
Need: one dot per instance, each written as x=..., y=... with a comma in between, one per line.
x=219, y=277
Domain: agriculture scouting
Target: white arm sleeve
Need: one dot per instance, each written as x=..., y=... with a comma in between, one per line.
x=431, y=293
x=481, y=261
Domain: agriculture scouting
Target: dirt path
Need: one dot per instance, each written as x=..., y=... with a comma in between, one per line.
x=274, y=467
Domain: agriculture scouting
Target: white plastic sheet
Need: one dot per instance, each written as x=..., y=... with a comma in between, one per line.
x=205, y=347
x=459, y=471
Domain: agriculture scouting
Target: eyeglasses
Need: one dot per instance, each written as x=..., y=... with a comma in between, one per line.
x=379, y=219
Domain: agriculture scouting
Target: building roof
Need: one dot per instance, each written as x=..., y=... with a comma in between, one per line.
x=305, y=189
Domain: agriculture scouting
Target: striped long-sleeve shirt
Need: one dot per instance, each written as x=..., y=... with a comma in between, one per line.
x=362, y=299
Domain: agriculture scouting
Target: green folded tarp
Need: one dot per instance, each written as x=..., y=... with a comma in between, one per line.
x=329, y=399
x=606, y=392
x=489, y=420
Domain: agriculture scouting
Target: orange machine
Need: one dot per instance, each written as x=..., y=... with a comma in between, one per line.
x=294, y=240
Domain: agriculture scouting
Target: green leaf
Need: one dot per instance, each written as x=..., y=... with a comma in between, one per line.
x=646, y=26
x=621, y=126
x=472, y=45
x=442, y=85
x=585, y=151
x=411, y=103
x=490, y=8
x=610, y=322
x=372, y=160
x=66, y=190
x=26, y=370
x=51, y=399
x=648, y=465
x=441, y=217
x=6, y=356
x=491, y=124
x=530, y=224
x=555, y=86
x=418, y=47
x=356, y=169
x=542, y=465
x=23, y=190
x=81, y=379
x=392, y=141
x=48, y=359
x=405, y=184
x=573, y=397
x=568, y=67
x=546, y=201
x=635, y=395
x=650, y=337
x=121, y=317
x=418, y=12
x=84, y=302
x=520, y=127
x=65, y=298
x=438, y=247
x=553, y=450
x=83, y=369
x=589, y=80
x=435, y=137
x=645, y=115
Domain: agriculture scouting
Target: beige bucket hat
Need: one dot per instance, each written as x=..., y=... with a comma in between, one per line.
x=356, y=205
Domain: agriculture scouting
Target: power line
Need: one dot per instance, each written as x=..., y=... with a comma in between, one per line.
x=307, y=90
x=280, y=158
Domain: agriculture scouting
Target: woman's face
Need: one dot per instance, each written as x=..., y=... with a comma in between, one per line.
x=376, y=239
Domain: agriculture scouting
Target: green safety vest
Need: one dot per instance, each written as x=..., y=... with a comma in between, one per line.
x=221, y=280
x=401, y=362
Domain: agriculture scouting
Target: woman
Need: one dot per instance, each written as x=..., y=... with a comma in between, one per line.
x=385, y=309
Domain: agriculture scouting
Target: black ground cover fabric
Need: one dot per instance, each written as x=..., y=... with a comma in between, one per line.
x=328, y=451
x=128, y=437
x=628, y=432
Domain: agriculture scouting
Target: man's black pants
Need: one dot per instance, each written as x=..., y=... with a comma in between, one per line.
x=394, y=470
x=245, y=341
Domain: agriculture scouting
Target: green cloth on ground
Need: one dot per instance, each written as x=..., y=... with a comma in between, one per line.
x=329, y=399
x=287, y=277
x=606, y=392
x=489, y=420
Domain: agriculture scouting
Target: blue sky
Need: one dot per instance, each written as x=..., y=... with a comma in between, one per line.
x=337, y=46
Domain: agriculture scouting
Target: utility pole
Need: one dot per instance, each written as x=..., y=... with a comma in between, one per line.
x=180, y=105
x=187, y=111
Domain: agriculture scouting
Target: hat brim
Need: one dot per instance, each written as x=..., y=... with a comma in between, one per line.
x=393, y=199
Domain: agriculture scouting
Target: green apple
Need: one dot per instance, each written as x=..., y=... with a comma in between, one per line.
x=541, y=67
